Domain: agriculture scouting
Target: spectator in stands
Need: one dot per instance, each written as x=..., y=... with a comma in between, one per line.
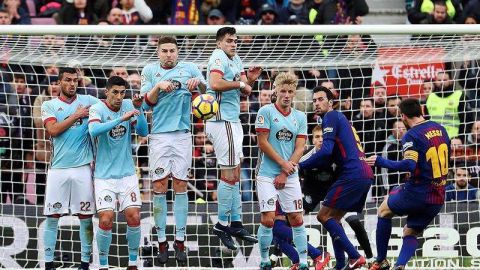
x=423, y=9
x=471, y=12
x=215, y=17
x=135, y=12
x=448, y=106
x=267, y=15
x=297, y=8
x=459, y=152
x=342, y=12
x=316, y=8
x=265, y=97
x=79, y=12
x=205, y=171
x=10, y=158
x=52, y=46
x=439, y=15
x=250, y=152
x=134, y=80
x=460, y=189
x=393, y=151
x=468, y=78
x=346, y=107
x=427, y=88
x=372, y=132
x=380, y=100
x=473, y=139
x=393, y=112
x=18, y=14
x=24, y=109
x=115, y=16
x=5, y=18
x=120, y=71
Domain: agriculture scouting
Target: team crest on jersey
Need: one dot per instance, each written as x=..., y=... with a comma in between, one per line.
x=260, y=120
x=118, y=132
x=284, y=135
x=176, y=84
x=107, y=198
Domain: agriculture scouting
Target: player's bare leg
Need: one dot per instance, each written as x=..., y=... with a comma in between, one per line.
x=132, y=215
x=160, y=209
x=180, y=211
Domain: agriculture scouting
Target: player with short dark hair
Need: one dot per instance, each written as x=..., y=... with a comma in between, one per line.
x=111, y=125
x=426, y=152
x=167, y=87
x=69, y=179
x=342, y=146
x=227, y=80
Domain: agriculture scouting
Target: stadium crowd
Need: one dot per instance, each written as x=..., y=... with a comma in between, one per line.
x=25, y=149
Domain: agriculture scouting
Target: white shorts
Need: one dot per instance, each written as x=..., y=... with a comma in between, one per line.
x=69, y=189
x=170, y=153
x=125, y=191
x=227, y=139
x=290, y=197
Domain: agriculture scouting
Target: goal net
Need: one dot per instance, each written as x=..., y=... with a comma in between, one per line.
x=369, y=69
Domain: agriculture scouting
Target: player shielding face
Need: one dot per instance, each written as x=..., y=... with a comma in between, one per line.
x=282, y=132
x=166, y=87
x=227, y=80
x=69, y=179
x=426, y=153
x=342, y=146
x=111, y=124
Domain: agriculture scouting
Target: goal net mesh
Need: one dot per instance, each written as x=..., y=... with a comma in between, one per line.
x=369, y=75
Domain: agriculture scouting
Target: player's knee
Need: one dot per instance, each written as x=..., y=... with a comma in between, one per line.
x=295, y=219
x=179, y=185
x=268, y=220
x=410, y=232
x=105, y=223
x=384, y=211
x=160, y=186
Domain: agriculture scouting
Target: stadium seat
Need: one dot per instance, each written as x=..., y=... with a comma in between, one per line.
x=43, y=21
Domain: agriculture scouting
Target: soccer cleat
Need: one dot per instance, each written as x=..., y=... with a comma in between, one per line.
x=370, y=262
x=321, y=261
x=180, y=254
x=355, y=263
x=399, y=267
x=243, y=234
x=224, y=236
x=162, y=255
x=132, y=267
x=265, y=266
x=383, y=265
x=49, y=266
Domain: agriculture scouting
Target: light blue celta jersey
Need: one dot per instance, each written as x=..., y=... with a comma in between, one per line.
x=112, y=145
x=231, y=70
x=172, y=110
x=283, y=132
x=72, y=148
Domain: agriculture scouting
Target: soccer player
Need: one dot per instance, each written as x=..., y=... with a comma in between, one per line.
x=281, y=132
x=426, y=152
x=69, y=179
x=341, y=145
x=111, y=124
x=167, y=87
x=282, y=236
x=227, y=80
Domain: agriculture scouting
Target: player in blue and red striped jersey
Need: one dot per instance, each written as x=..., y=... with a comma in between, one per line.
x=342, y=146
x=426, y=152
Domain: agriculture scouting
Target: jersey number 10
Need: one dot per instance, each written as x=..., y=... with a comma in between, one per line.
x=439, y=158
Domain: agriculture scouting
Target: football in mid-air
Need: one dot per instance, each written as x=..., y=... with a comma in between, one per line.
x=204, y=106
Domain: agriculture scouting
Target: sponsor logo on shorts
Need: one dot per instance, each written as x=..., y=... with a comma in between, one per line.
x=57, y=205
x=107, y=198
x=271, y=201
x=159, y=171
x=284, y=135
x=118, y=132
